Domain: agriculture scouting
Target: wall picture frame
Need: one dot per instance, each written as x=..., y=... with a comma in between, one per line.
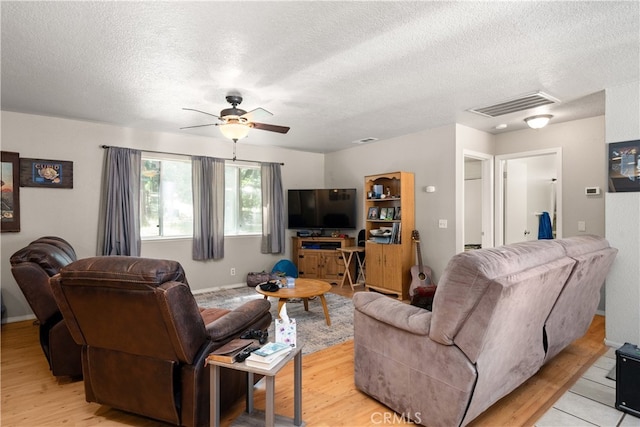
x=46, y=173
x=624, y=166
x=10, y=212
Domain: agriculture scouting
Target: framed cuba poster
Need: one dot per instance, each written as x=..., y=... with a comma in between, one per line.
x=10, y=213
x=46, y=173
x=624, y=166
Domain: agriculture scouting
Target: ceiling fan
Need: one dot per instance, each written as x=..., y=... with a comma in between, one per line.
x=235, y=123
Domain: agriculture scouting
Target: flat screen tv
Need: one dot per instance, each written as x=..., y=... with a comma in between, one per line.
x=322, y=208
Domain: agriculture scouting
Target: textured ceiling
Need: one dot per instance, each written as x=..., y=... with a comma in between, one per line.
x=335, y=72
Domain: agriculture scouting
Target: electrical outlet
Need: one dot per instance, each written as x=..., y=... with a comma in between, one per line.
x=442, y=223
x=233, y=271
x=582, y=226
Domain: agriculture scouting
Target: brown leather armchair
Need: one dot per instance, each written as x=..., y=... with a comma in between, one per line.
x=32, y=266
x=145, y=340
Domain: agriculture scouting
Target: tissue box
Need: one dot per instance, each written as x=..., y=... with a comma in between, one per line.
x=286, y=331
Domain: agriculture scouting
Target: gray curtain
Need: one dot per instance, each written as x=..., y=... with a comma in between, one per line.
x=208, y=207
x=273, y=225
x=119, y=221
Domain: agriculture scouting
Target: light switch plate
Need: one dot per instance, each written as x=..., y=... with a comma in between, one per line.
x=442, y=223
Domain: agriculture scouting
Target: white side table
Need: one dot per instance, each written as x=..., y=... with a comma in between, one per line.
x=270, y=416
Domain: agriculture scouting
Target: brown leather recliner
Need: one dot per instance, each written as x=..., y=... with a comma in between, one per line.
x=145, y=340
x=31, y=267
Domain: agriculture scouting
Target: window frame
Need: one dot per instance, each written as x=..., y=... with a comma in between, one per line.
x=237, y=166
x=163, y=157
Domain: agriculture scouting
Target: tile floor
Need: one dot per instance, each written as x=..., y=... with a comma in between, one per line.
x=591, y=401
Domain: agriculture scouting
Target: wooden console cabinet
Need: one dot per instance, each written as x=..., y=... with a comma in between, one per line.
x=318, y=257
x=389, y=261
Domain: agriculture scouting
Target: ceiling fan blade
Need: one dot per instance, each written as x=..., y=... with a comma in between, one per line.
x=199, y=126
x=203, y=112
x=270, y=128
x=257, y=114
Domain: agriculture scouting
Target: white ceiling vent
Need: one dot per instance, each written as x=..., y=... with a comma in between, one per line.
x=520, y=103
x=364, y=140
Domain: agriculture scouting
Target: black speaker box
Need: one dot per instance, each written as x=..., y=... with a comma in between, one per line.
x=628, y=379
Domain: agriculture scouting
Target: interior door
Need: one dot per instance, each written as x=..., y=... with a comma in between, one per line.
x=516, y=227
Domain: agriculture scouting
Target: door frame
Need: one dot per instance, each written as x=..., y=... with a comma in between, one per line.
x=499, y=182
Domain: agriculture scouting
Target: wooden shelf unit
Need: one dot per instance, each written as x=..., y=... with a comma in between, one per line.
x=389, y=264
x=318, y=257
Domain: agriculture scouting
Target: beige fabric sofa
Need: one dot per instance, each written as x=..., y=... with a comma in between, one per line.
x=498, y=315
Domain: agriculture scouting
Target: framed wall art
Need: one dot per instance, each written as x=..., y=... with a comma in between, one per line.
x=624, y=166
x=46, y=173
x=10, y=213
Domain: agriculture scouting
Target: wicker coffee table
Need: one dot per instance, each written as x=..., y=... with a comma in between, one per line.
x=303, y=289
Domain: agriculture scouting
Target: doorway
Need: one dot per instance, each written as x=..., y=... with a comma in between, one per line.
x=477, y=224
x=528, y=188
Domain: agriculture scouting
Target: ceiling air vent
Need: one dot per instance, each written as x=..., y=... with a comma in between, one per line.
x=520, y=103
x=364, y=140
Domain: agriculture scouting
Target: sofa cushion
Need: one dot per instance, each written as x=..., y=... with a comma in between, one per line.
x=402, y=316
x=573, y=311
x=49, y=257
x=122, y=271
x=468, y=274
x=581, y=245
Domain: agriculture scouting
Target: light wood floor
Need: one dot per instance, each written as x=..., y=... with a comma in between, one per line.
x=31, y=396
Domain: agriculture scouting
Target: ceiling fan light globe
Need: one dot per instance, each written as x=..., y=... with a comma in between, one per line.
x=234, y=130
x=538, y=122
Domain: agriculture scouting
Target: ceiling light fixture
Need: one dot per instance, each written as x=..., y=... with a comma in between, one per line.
x=234, y=129
x=538, y=122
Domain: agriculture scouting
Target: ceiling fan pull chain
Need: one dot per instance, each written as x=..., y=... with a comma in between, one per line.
x=234, y=149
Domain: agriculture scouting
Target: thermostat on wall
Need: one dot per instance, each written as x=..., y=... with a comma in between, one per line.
x=592, y=191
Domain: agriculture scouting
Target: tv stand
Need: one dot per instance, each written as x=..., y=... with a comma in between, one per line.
x=318, y=257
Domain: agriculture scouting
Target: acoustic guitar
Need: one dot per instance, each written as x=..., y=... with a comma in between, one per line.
x=422, y=288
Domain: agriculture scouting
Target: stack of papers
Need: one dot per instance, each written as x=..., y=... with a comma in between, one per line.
x=268, y=355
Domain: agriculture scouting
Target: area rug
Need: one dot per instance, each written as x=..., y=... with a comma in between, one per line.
x=311, y=326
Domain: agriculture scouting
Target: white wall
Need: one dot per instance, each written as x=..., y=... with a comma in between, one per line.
x=73, y=213
x=623, y=225
x=430, y=155
x=583, y=165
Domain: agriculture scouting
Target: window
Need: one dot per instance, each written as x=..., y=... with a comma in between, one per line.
x=166, y=205
x=166, y=208
x=243, y=200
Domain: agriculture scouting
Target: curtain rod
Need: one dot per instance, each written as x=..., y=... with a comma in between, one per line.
x=181, y=154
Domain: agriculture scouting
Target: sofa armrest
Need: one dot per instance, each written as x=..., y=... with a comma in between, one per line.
x=395, y=313
x=238, y=320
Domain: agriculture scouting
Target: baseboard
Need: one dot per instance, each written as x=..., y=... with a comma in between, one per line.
x=217, y=288
x=612, y=344
x=14, y=319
